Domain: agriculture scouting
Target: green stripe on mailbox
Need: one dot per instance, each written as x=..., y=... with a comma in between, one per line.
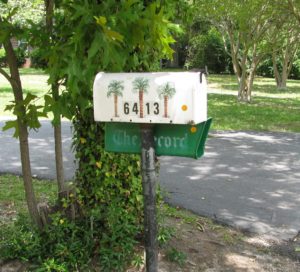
x=170, y=139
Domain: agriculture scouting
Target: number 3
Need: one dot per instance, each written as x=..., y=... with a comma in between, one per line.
x=156, y=110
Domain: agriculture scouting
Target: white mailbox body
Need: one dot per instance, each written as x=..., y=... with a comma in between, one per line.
x=158, y=97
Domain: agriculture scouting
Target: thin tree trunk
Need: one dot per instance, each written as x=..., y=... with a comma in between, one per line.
x=243, y=90
x=275, y=69
x=23, y=134
x=250, y=83
x=49, y=5
x=58, y=145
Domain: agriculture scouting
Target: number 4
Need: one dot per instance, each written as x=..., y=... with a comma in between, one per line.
x=135, y=108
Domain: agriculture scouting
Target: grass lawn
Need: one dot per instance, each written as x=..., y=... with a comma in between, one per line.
x=263, y=87
x=12, y=196
x=263, y=114
x=270, y=110
x=33, y=81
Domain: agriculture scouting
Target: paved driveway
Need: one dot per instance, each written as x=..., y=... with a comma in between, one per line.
x=248, y=180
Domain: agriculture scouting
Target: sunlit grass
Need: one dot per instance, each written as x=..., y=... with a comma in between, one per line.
x=33, y=81
x=262, y=86
x=263, y=114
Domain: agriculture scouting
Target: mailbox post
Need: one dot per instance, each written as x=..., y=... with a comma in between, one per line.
x=152, y=114
x=149, y=192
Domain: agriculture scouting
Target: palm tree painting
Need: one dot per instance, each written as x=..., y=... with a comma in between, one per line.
x=141, y=85
x=115, y=88
x=166, y=91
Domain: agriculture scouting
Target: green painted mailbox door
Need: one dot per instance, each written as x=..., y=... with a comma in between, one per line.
x=170, y=139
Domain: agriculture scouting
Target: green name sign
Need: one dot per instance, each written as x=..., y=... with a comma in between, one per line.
x=170, y=139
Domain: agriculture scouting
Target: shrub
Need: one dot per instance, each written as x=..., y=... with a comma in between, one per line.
x=206, y=49
x=21, y=55
x=105, y=232
x=37, y=59
x=63, y=244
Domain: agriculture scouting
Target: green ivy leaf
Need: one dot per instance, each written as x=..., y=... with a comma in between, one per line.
x=115, y=36
x=101, y=20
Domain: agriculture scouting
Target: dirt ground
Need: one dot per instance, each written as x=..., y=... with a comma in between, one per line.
x=197, y=244
x=223, y=249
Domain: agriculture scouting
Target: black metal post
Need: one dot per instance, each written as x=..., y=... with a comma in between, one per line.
x=149, y=191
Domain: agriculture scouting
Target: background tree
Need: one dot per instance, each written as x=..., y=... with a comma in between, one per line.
x=294, y=7
x=281, y=40
x=115, y=88
x=244, y=25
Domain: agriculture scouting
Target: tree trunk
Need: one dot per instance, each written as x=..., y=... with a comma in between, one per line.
x=250, y=81
x=49, y=5
x=243, y=84
x=275, y=69
x=23, y=133
x=58, y=144
x=287, y=62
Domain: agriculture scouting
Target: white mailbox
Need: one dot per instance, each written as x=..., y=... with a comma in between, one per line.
x=162, y=97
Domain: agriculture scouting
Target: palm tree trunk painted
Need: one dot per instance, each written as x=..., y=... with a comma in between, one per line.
x=116, y=105
x=166, y=106
x=141, y=99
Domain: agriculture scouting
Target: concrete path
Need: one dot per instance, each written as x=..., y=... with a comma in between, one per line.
x=248, y=180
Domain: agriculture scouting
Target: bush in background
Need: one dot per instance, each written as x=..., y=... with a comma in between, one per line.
x=207, y=49
x=20, y=54
x=37, y=59
x=266, y=68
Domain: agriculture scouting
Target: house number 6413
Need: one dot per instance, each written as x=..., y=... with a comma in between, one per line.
x=149, y=108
